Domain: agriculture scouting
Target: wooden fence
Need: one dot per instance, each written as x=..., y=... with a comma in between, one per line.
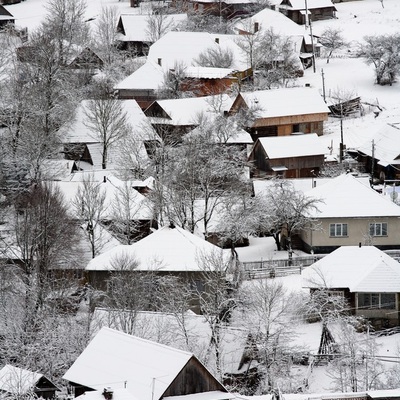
x=284, y=267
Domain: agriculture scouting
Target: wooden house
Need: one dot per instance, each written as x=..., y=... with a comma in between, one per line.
x=140, y=368
x=381, y=156
x=294, y=156
x=173, y=118
x=134, y=33
x=19, y=383
x=175, y=55
x=297, y=10
x=366, y=276
x=350, y=212
x=281, y=112
x=226, y=9
x=6, y=18
x=82, y=145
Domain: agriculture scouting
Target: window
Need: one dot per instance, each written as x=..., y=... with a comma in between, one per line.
x=377, y=300
x=336, y=230
x=378, y=229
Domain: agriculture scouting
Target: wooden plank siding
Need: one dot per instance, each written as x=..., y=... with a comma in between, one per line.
x=290, y=119
x=194, y=378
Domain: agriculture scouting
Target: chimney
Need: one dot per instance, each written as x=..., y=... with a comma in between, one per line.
x=256, y=27
x=359, y=244
x=108, y=393
x=159, y=61
x=217, y=40
x=104, y=179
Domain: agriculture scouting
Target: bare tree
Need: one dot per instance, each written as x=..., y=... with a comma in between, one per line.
x=271, y=57
x=332, y=39
x=108, y=123
x=382, y=51
x=171, y=87
x=66, y=25
x=216, y=57
x=106, y=34
x=89, y=204
x=267, y=312
x=287, y=211
x=217, y=298
x=158, y=24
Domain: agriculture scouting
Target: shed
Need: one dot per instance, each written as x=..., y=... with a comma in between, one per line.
x=297, y=10
x=5, y=17
x=20, y=382
x=145, y=369
x=294, y=156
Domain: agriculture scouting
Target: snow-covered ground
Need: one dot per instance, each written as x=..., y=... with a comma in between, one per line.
x=344, y=73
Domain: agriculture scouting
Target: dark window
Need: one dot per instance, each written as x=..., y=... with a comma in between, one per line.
x=337, y=230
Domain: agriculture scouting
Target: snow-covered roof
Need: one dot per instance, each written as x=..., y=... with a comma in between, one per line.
x=285, y=101
x=167, y=249
x=118, y=360
x=270, y=19
x=136, y=26
x=150, y=76
x=360, y=269
x=236, y=136
x=17, y=380
x=186, y=111
x=185, y=47
x=212, y=395
x=346, y=197
x=207, y=72
x=77, y=131
x=117, y=394
x=140, y=206
x=298, y=145
x=386, y=146
x=311, y=4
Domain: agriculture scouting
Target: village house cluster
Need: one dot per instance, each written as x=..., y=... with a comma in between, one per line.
x=172, y=169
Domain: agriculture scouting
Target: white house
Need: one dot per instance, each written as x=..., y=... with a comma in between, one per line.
x=366, y=276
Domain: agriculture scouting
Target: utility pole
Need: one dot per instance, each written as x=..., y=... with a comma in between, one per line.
x=308, y=24
x=323, y=84
x=373, y=161
x=341, y=133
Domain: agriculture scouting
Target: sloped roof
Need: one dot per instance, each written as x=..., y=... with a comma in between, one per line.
x=311, y=4
x=185, y=47
x=17, y=380
x=187, y=110
x=140, y=206
x=386, y=145
x=270, y=19
x=118, y=360
x=150, y=76
x=285, y=101
x=5, y=15
x=360, y=269
x=346, y=197
x=299, y=145
x=136, y=26
x=167, y=249
x=76, y=130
